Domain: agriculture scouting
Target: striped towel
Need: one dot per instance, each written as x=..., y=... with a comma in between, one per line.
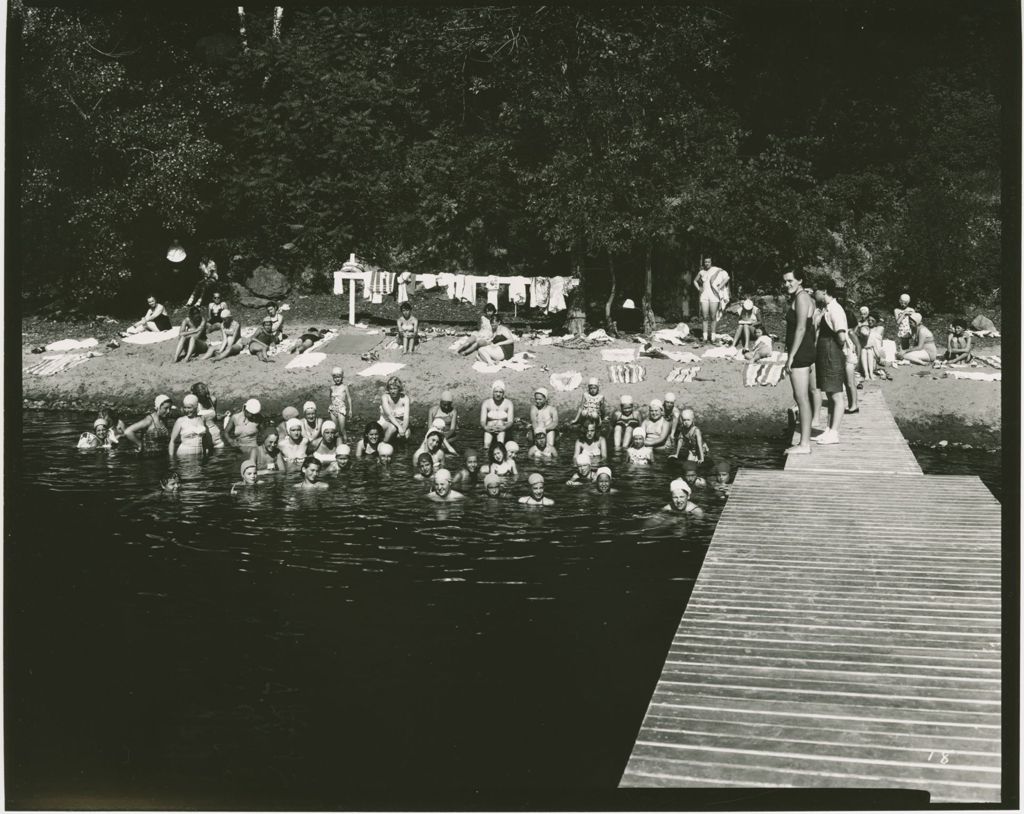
x=768, y=374
x=629, y=373
x=992, y=361
x=683, y=374
x=59, y=362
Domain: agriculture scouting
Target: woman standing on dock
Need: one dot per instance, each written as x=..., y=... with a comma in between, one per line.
x=800, y=347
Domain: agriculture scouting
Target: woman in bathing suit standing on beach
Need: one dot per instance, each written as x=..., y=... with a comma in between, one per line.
x=800, y=345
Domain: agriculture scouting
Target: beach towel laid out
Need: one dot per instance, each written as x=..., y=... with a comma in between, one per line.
x=382, y=369
x=992, y=361
x=629, y=373
x=682, y=357
x=307, y=359
x=619, y=354
x=564, y=382
x=993, y=334
x=65, y=345
x=518, y=362
x=57, y=363
x=600, y=335
x=352, y=343
x=976, y=375
x=674, y=335
x=720, y=352
x=151, y=337
x=683, y=374
x=768, y=374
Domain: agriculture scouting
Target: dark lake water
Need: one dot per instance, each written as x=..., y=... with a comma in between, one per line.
x=354, y=648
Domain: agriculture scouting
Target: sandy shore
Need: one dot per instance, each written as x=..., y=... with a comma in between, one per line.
x=926, y=408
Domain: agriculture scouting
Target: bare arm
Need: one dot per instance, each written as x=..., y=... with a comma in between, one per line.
x=138, y=426
x=803, y=310
x=175, y=432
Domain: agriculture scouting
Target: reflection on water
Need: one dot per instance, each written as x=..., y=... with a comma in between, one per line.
x=319, y=645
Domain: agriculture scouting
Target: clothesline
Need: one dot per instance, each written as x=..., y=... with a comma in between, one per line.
x=544, y=292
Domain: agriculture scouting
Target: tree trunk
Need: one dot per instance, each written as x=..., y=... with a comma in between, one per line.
x=609, y=323
x=576, y=301
x=649, y=326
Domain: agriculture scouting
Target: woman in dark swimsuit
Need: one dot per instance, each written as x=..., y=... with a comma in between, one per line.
x=800, y=346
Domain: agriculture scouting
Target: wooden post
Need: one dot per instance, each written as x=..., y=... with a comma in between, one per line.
x=352, y=301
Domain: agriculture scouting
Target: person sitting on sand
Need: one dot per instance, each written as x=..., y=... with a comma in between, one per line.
x=543, y=415
x=395, y=410
x=371, y=439
x=483, y=335
x=638, y=452
x=408, y=328
x=445, y=409
x=151, y=431
x=502, y=345
x=267, y=456
x=690, y=445
x=325, y=448
x=922, y=349
x=749, y=316
x=762, y=345
x=424, y=467
x=656, y=428
x=592, y=403
x=496, y=414
x=263, y=339
x=468, y=476
x=584, y=473
x=242, y=429
x=385, y=452
x=312, y=424
x=959, y=344
x=191, y=336
x=156, y=319
x=624, y=421
x=215, y=310
x=276, y=321
x=591, y=442
x=190, y=434
x=311, y=474
x=443, y=491
x=536, y=496
x=293, y=445
x=493, y=486
x=309, y=339
x=691, y=477
x=540, y=451
x=250, y=476
x=679, y=502
x=230, y=339
x=341, y=401
x=603, y=481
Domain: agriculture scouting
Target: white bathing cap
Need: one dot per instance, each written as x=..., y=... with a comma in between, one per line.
x=638, y=432
x=291, y=423
x=442, y=475
x=670, y=397
x=498, y=385
x=343, y=449
x=626, y=399
x=511, y=447
x=336, y=371
x=679, y=485
x=225, y=313
x=190, y=400
x=328, y=425
x=604, y=470
x=253, y=406
x=309, y=405
x=593, y=380
x=160, y=400
x=438, y=424
x=748, y=303
x=535, y=477
x=385, y=449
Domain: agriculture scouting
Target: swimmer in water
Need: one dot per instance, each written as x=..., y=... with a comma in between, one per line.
x=445, y=410
x=171, y=484
x=679, y=502
x=671, y=412
x=344, y=457
x=492, y=486
x=371, y=439
x=266, y=455
x=242, y=429
x=438, y=425
x=500, y=464
x=191, y=433
x=690, y=446
x=721, y=482
x=293, y=445
x=693, y=480
x=591, y=442
x=639, y=452
x=341, y=401
x=603, y=481
x=543, y=415
x=592, y=403
x=624, y=421
x=536, y=496
x=151, y=431
x=384, y=454
x=312, y=425
x=443, y=491
x=250, y=477
x=286, y=413
x=466, y=478
x=540, y=450
x=433, y=445
x=101, y=436
x=512, y=450
x=584, y=473
x=208, y=411
x=656, y=427
x=497, y=414
x=325, y=449
x=310, y=475
x=424, y=468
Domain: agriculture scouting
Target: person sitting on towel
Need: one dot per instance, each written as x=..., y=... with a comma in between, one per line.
x=483, y=336
x=959, y=344
x=263, y=339
x=762, y=345
x=277, y=321
x=502, y=344
x=156, y=319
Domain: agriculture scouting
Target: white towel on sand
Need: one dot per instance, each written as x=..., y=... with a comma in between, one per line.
x=382, y=369
x=65, y=345
x=307, y=359
x=720, y=352
x=151, y=337
x=976, y=375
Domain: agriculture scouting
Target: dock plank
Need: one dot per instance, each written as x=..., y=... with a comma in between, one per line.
x=835, y=639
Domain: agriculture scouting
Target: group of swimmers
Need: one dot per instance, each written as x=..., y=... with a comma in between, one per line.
x=316, y=444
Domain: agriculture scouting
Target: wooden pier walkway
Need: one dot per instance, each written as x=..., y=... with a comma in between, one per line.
x=844, y=631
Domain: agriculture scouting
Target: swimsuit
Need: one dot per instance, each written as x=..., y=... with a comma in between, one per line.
x=593, y=449
x=191, y=435
x=246, y=433
x=328, y=457
x=290, y=450
x=804, y=355
x=211, y=414
x=830, y=362
x=690, y=445
x=591, y=407
x=308, y=432
x=338, y=405
x=397, y=410
x=653, y=429
x=264, y=460
x=156, y=434
x=497, y=413
x=626, y=421
x=639, y=456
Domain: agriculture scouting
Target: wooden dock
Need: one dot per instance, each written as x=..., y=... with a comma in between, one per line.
x=844, y=631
